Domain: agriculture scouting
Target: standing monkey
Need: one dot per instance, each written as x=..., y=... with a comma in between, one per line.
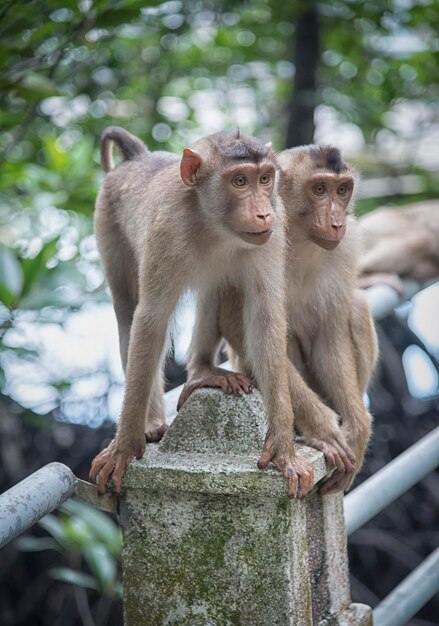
x=165, y=224
x=331, y=337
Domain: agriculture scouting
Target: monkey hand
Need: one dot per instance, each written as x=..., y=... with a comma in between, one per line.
x=297, y=471
x=230, y=382
x=113, y=460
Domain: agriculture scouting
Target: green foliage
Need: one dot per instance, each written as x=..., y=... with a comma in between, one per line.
x=88, y=539
x=386, y=56
x=170, y=72
x=11, y=277
x=73, y=577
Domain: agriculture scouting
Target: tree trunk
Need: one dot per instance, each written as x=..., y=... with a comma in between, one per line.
x=306, y=55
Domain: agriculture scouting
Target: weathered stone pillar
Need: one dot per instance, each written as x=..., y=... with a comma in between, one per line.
x=210, y=540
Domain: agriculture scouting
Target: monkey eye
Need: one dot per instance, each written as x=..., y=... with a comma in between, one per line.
x=265, y=179
x=239, y=181
x=342, y=190
x=319, y=189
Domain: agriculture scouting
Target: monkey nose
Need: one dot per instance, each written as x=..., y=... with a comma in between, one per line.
x=265, y=217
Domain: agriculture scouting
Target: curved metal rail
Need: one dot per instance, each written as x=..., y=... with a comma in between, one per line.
x=373, y=496
x=393, y=480
x=33, y=498
x=41, y=493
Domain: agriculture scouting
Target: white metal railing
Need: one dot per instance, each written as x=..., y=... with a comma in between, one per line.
x=373, y=496
x=389, y=483
x=410, y=595
x=393, y=480
x=42, y=492
x=383, y=299
x=34, y=497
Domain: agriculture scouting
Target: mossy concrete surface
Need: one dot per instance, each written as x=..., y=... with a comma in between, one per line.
x=210, y=540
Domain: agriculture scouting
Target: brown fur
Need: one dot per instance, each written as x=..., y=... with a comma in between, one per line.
x=331, y=338
x=165, y=224
x=400, y=243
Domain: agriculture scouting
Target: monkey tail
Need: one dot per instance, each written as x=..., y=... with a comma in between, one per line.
x=128, y=145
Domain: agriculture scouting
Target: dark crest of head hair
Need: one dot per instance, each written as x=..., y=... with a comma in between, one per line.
x=239, y=147
x=328, y=157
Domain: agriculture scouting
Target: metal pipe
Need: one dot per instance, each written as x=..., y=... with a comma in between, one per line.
x=33, y=498
x=383, y=299
x=389, y=483
x=410, y=595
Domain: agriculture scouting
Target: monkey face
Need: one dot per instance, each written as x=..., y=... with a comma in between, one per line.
x=234, y=177
x=328, y=197
x=248, y=190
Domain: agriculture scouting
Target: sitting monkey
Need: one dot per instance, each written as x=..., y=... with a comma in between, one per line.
x=400, y=243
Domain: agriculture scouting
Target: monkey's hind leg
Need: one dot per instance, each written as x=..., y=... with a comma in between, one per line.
x=205, y=344
x=364, y=338
x=155, y=422
x=124, y=309
x=121, y=274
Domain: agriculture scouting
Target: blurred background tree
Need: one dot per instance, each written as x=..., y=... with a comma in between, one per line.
x=362, y=75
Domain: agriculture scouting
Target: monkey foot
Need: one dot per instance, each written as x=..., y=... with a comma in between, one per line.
x=297, y=471
x=112, y=461
x=156, y=434
x=339, y=481
x=338, y=453
x=230, y=382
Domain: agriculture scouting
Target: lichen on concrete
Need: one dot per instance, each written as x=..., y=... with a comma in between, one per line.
x=239, y=430
x=230, y=555
x=211, y=540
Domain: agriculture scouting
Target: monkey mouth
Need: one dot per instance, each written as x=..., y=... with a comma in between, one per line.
x=258, y=233
x=257, y=238
x=326, y=244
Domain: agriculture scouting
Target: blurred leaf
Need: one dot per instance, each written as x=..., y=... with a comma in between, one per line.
x=100, y=524
x=38, y=83
x=56, y=159
x=102, y=564
x=77, y=532
x=54, y=526
x=6, y=296
x=115, y=17
x=36, y=544
x=11, y=276
x=73, y=577
x=118, y=589
x=34, y=268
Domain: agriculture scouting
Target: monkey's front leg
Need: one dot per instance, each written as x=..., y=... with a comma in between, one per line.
x=265, y=348
x=147, y=339
x=203, y=351
x=318, y=424
x=336, y=370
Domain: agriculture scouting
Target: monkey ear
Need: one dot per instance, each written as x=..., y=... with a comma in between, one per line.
x=189, y=164
x=269, y=144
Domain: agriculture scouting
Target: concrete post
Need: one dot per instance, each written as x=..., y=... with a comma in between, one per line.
x=210, y=540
